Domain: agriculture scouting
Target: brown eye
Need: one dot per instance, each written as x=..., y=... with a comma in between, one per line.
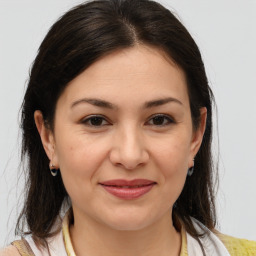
x=96, y=121
x=160, y=120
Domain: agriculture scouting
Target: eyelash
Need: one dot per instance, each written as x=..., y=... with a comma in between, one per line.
x=89, y=119
x=167, y=120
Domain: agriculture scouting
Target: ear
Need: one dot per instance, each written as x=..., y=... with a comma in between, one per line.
x=46, y=135
x=198, y=135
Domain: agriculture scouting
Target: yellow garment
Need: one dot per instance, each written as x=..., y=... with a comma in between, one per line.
x=238, y=247
x=235, y=246
x=66, y=236
x=184, y=250
x=23, y=247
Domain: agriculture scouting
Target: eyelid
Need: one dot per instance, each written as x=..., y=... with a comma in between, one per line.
x=166, y=116
x=86, y=119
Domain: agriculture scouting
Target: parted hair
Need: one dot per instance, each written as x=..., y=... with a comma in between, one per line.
x=80, y=37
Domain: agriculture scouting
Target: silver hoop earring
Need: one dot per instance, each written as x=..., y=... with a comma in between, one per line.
x=53, y=170
x=190, y=171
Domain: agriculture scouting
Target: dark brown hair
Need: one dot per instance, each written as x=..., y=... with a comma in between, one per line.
x=78, y=39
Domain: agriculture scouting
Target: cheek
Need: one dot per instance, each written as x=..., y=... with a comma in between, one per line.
x=80, y=155
x=172, y=154
x=79, y=161
x=172, y=162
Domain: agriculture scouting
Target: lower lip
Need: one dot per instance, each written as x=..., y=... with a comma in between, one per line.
x=128, y=193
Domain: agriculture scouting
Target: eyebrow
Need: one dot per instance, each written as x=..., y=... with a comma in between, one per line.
x=159, y=102
x=105, y=104
x=95, y=102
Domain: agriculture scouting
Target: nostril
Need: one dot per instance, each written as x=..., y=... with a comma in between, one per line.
x=128, y=154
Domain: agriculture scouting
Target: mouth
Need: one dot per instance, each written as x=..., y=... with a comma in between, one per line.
x=128, y=190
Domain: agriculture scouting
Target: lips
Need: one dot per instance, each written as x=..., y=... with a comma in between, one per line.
x=126, y=189
x=127, y=183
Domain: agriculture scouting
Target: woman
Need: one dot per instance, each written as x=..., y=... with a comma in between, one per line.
x=117, y=128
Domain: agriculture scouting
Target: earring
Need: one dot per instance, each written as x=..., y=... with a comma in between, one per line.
x=191, y=170
x=53, y=170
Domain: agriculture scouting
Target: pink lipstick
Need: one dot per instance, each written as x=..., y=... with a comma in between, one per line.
x=128, y=190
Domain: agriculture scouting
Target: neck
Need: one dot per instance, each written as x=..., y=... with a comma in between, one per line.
x=91, y=238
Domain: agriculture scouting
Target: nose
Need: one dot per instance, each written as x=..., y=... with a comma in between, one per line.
x=128, y=149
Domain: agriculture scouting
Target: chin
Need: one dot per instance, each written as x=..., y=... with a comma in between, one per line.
x=129, y=221
x=128, y=225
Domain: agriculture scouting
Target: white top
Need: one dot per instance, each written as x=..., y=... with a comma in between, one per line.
x=56, y=246
x=212, y=244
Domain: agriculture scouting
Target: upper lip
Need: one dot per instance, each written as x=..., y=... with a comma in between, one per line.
x=121, y=182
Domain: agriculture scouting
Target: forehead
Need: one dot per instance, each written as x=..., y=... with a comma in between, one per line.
x=135, y=72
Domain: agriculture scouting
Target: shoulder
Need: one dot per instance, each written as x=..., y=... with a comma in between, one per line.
x=237, y=246
x=18, y=247
x=9, y=251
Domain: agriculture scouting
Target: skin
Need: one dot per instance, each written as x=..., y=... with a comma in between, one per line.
x=126, y=141
x=9, y=251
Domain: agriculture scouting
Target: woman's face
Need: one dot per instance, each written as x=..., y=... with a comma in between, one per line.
x=123, y=138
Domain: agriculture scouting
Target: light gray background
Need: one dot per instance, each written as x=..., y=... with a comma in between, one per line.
x=226, y=34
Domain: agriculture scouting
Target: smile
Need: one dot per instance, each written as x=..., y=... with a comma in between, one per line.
x=128, y=189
